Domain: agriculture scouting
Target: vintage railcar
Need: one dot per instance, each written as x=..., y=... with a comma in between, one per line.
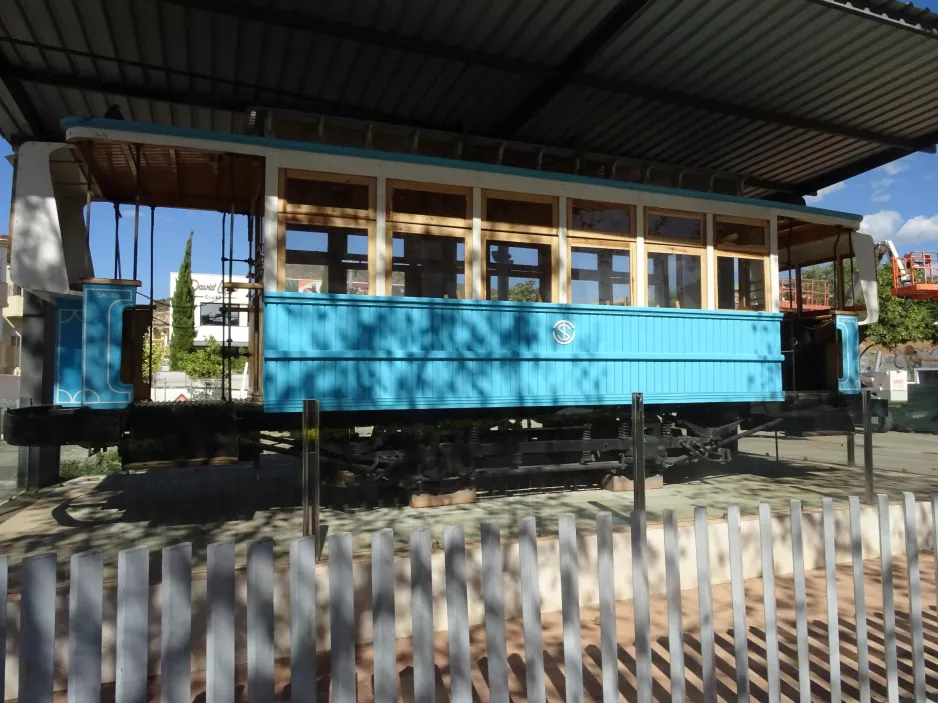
x=475, y=317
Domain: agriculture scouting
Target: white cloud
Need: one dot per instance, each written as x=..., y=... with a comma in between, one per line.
x=881, y=197
x=883, y=225
x=896, y=167
x=919, y=229
x=824, y=192
x=882, y=183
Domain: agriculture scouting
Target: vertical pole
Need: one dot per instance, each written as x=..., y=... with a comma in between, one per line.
x=152, y=305
x=851, y=449
x=136, y=208
x=868, y=443
x=310, y=469
x=638, y=449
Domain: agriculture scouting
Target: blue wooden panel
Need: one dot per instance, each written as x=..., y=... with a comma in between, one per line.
x=849, y=382
x=102, y=313
x=68, y=346
x=376, y=353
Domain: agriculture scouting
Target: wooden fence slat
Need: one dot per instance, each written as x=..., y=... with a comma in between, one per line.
x=641, y=607
x=303, y=620
x=457, y=614
x=675, y=613
x=768, y=598
x=176, y=624
x=85, y=601
x=705, y=599
x=607, y=607
x=859, y=600
x=342, y=618
x=421, y=606
x=934, y=544
x=382, y=608
x=889, y=610
x=133, y=601
x=570, y=601
x=738, y=589
x=833, y=622
x=4, y=582
x=37, y=628
x=531, y=610
x=492, y=595
x=260, y=621
x=801, y=615
x=915, y=595
x=220, y=633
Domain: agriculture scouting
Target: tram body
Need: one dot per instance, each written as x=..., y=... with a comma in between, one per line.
x=442, y=301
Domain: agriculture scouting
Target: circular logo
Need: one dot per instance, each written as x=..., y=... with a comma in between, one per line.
x=564, y=332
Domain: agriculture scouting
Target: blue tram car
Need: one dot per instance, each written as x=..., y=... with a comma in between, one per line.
x=453, y=317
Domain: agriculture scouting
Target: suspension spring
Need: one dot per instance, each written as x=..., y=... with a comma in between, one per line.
x=586, y=455
x=624, y=434
x=667, y=424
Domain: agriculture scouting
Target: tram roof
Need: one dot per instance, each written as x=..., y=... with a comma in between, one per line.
x=789, y=95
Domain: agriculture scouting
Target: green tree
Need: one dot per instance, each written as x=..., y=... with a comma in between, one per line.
x=900, y=320
x=153, y=353
x=524, y=292
x=204, y=362
x=183, y=339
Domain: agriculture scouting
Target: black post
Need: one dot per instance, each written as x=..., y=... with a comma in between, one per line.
x=638, y=449
x=310, y=470
x=868, y=443
x=851, y=449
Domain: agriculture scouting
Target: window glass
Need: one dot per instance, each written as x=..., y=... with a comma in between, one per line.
x=600, y=276
x=740, y=283
x=787, y=290
x=736, y=234
x=327, y=194
x=427, y=266
x=519, y=272
x=817, y=287
x=674, y=280
x=423, y=202
x=686, y=229
x=326, y=260
x=518, y=212
x=211, y=314
x=589, y=216
x=853, y=293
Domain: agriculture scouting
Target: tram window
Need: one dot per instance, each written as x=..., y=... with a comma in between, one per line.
x=729, y=233
x=590, y=216
x=674, y=280
x=518, y=213
x=409, y=201
x=740, y=283
x=211, y=314
x=331, y=195
x=818, y=290
x=600, y=276
x=427, y=266
x=326, y=260
x=518, y=272
x=676, y=227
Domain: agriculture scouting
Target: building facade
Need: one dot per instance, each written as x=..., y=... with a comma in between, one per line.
x=209, y=314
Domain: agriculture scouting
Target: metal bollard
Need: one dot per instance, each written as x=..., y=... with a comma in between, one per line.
x=310, y=471
x=868, y=443
x=638, y=449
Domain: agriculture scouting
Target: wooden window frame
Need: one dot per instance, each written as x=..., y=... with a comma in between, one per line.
x=434, y=220
x=593, y=234
x=285, y=220
x=536, y=230
x=746, y=248
x=699, y=252
x=737, y=254
x=620, y=243
x=285, y=207
x=517, y=238
x=464, y=233
x=685, y=214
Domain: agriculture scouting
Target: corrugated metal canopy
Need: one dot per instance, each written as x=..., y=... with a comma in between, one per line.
x=793, y=95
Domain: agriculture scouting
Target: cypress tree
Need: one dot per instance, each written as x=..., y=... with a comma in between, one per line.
x=183, y=339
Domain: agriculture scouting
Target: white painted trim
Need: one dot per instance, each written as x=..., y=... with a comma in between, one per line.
x=271, y=211
x=773, y=266
x=476, y=252
x=363, y=166
x=381, y=219
x=711, y=302
x=563, y=272
x=639, y=266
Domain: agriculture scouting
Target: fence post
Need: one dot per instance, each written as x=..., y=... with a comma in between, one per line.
x=37, y=628
x=86, y=580
x=342, y=618
x=260, y=621
x=801, y=618
x=638, y=450
x=889, y=609
x=421, y=610
x=868, y=443
x=830, y=569
x=570, y=599
x=133, y=600
x=303, y=620
x=382, y=609
x=176, y=624
x=607, y=607
x=705, y=601
x=310, y=471
x=859, y=601
x=531, y=610
x=740, y=630
x=915, y=595
x=768, y=599
x=495, y=646
x=220, y=632
x=457, y=614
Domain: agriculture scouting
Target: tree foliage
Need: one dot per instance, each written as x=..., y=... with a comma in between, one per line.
x=204, y=362
x=524, y=292
x=183, y=339
x=900, y=320
x=153, y=353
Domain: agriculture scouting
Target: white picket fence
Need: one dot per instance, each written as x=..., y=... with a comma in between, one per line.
x=37, y=626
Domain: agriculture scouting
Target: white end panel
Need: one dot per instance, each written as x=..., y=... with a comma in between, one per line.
x=271, y=211
x=863, y=246
x=37, y=258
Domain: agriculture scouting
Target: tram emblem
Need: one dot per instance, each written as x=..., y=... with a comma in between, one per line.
x=564, y=332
